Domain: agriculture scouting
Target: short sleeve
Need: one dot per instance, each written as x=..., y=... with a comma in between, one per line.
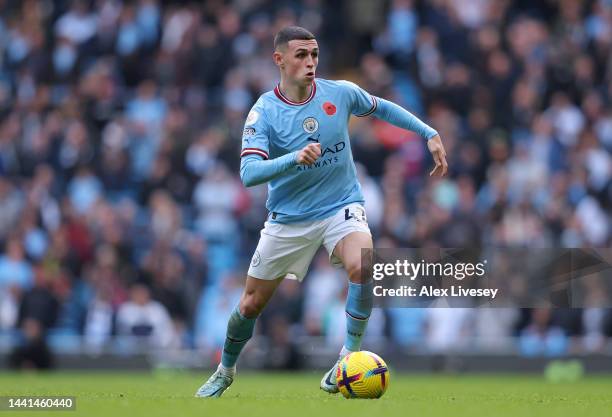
x=361, y=102
x=255, y=139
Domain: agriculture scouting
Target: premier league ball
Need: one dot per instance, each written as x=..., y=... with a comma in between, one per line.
x=362, y=374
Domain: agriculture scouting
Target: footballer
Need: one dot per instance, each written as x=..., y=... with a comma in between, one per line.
x=296, y=139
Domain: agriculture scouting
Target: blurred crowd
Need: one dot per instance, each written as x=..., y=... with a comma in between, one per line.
x=121, y=208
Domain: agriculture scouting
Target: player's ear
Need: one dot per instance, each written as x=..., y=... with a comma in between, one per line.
x=278, y=59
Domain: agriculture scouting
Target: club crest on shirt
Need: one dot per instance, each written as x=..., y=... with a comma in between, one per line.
x=252, y=117
x=310, y=125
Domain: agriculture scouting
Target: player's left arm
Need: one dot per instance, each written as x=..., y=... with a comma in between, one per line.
x=363, y=104
x=400, y=117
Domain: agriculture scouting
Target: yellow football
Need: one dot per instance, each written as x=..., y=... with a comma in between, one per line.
x=362, y=374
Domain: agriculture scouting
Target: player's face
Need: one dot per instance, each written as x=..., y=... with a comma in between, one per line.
x=298, y=61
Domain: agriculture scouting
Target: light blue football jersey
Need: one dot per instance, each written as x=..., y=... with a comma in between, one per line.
x=276, y=126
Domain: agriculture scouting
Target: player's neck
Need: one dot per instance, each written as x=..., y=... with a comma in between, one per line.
x=295, y=92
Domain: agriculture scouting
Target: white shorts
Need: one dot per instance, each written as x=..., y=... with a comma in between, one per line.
x=286, y=250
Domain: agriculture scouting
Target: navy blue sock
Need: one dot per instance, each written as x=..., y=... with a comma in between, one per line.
x=358, y=310
x=239, y=331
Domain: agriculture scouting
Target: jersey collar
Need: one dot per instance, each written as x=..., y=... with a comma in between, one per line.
x=284, y=99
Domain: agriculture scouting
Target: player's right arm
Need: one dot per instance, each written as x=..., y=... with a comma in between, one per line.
x=255, y=166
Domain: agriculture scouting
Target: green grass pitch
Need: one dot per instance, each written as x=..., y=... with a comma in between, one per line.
x=168, y=393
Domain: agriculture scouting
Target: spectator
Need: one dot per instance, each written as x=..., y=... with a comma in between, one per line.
x=33, y=351
x=145, y=320
x=40, y=303
x=542, y=336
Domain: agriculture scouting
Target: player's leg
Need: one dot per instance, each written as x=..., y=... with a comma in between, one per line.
x=359, y=298
x=282, y=250
x=348, y=235
x=257, y=293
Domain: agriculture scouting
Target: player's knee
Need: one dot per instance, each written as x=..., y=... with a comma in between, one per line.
x=251, y=305
x=354, y=271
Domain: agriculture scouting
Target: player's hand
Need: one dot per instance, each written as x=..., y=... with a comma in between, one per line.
x=439, y=155
x=309, y=154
